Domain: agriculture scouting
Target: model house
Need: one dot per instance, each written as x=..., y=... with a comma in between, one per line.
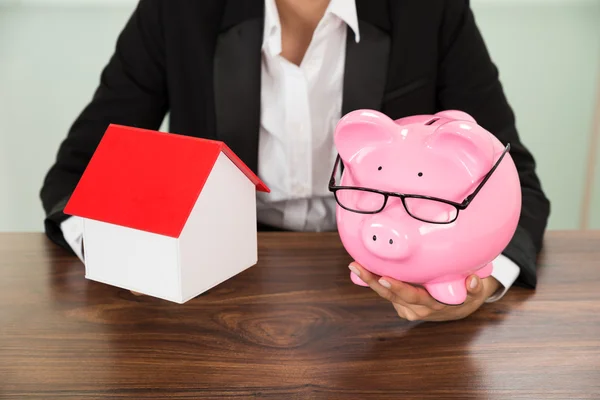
x=166, y=215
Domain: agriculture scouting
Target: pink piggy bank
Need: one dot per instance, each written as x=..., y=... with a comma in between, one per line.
x=427, y=199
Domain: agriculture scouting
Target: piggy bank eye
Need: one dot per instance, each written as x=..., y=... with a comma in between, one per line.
x=420, y=174
x=379, y=169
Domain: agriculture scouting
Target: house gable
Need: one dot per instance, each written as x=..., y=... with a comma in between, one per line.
x=220, y=238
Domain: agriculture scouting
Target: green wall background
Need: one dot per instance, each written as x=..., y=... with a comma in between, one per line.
x=548, y=54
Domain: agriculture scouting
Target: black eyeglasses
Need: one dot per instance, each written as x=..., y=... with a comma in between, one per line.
x=423, y=208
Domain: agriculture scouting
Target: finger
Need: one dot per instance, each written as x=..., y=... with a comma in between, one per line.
x=423, y=313
x=405, y=312
x=396, y=291
x=136, y=293
x=373, y=281
x=411, y=294
x=362, y=273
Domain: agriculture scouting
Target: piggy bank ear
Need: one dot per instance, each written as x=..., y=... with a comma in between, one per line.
x=456, y=115
x=363, y=130
x=470, y=144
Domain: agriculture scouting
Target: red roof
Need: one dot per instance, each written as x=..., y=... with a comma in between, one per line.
x=148, y=180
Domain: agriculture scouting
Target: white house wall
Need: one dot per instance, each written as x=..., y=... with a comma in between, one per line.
x=219, y=239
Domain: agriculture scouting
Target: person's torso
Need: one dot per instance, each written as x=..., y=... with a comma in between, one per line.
x=279, y=117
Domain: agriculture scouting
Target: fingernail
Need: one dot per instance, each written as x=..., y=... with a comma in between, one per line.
x=473, y=283
x=354, y=269
x=385, y=283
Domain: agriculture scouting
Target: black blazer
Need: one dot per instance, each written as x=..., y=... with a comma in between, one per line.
x=200, y=61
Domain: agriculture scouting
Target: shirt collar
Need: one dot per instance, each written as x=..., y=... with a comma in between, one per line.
x=346, y=11
x=343, y=9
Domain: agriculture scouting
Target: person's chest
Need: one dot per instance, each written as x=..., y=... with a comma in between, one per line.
x=213, y=68
x=300, y=105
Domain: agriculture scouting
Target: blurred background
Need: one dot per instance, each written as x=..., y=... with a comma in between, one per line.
x=548, y=53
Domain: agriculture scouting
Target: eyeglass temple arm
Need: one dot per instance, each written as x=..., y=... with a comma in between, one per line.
x=332, y=179
x=470, y=197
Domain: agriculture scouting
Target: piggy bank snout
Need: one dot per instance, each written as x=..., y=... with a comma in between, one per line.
x=383, y=239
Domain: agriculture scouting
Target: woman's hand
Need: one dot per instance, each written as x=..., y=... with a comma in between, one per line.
x=415, y=304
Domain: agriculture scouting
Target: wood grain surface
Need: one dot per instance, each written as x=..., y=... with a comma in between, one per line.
x=292, y=327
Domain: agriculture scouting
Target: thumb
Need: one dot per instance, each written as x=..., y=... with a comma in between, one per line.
x=474, y=285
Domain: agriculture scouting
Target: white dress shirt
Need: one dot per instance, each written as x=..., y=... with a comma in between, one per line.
x=300, y=107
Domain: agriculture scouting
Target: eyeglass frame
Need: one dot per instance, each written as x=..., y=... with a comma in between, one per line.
x=402, y=196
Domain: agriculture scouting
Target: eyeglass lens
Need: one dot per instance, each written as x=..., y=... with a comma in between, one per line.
x=371, y=202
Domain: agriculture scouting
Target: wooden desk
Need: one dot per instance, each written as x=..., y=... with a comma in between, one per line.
x=292, y=327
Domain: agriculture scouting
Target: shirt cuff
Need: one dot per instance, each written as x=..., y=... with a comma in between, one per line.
x=506, y=272
x=72, y=229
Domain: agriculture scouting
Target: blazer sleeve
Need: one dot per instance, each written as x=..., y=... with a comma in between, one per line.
x=131, y=91
x=469, y=81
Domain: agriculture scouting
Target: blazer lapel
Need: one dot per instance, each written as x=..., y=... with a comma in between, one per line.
x=237, y=71
x=366, y=69
x=237, y=80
